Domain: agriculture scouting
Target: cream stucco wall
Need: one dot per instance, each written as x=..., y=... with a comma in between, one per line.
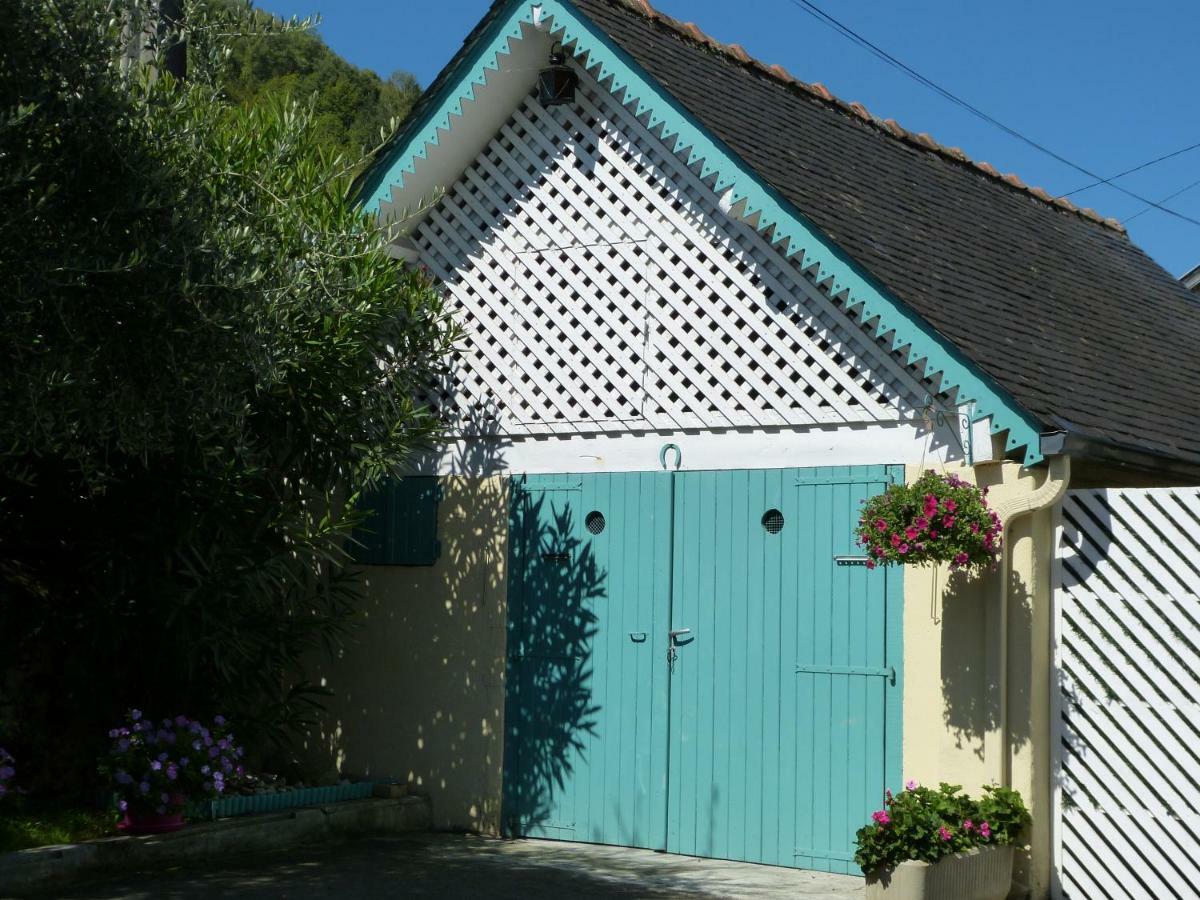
x=951, y=645
x=418, y=691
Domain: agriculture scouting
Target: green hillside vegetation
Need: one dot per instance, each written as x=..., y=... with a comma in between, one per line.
x=351, y=104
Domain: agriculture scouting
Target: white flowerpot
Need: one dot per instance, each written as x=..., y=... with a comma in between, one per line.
x=983, y=873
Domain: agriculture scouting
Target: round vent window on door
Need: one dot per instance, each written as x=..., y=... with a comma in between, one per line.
x=594, y=521
x=772, y=521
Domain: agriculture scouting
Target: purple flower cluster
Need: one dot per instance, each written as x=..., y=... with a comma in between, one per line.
x=159, y=766
x=7, y=770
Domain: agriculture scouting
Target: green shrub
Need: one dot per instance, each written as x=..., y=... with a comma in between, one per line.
x=924, y=824
x=207, y=353
x=27, y=823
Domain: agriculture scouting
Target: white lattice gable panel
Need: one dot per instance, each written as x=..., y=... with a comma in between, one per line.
x=601, y=288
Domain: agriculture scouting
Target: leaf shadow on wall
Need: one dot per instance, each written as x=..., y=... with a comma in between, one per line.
x=550, y=712
x=970, y=693
x=418, y=693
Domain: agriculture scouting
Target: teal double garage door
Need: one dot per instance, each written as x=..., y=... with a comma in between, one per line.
x=692, y=667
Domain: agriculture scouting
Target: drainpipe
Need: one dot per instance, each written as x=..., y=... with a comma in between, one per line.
x=1045, y=496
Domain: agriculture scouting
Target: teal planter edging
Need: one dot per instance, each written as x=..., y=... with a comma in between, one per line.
x=242, y=805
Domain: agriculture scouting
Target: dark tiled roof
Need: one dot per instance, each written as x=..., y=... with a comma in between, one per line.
x=1080, y=326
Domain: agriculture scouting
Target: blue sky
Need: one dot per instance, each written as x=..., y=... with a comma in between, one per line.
x=1108, y=84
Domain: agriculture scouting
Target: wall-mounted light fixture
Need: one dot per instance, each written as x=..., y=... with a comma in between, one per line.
x=556, y=82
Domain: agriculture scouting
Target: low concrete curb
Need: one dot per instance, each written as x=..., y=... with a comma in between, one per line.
x=44, y=868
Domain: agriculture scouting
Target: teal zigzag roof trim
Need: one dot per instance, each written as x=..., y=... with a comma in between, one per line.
x=799, y=237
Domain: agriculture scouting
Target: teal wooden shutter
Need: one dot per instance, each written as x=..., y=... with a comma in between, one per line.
x=401, y=525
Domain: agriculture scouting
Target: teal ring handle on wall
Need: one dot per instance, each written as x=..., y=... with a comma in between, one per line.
x=662, y=455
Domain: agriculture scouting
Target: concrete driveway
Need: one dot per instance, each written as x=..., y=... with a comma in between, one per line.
x=451, y=866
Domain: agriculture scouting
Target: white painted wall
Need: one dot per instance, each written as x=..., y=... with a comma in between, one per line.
x=866, y=444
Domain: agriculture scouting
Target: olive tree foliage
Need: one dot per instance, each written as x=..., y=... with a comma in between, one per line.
x=206, y=353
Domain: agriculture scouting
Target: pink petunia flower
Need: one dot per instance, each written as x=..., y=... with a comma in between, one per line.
x=880, y=525
x=944, y=833
x=968, y=826
x=911, y=533
x=985, y=830
x=910, y=785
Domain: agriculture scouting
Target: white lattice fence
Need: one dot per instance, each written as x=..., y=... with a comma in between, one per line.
x=1129, y=636
x=601, y=289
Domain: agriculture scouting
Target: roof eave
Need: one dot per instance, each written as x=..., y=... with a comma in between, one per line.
x=1136, y=464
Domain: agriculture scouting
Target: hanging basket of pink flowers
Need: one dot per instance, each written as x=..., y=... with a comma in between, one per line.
x=936, y=519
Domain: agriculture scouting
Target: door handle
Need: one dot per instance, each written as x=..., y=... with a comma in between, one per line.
x=676, y=633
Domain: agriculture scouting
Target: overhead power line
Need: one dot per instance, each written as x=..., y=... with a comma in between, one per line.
x=1146, y=209
x=853, y=36
x=1145, y=165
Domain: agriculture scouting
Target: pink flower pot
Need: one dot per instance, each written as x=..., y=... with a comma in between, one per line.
x=143, y=822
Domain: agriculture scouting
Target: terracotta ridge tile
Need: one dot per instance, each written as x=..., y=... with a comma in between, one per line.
x=738, y=52
x=891, y=126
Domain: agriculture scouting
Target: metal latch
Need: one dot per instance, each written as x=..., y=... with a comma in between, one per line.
x=888, y=672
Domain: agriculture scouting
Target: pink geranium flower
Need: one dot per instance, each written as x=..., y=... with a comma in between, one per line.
x=985, y=830
x=910, y=785
x=944, y=833
x=881, y=817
